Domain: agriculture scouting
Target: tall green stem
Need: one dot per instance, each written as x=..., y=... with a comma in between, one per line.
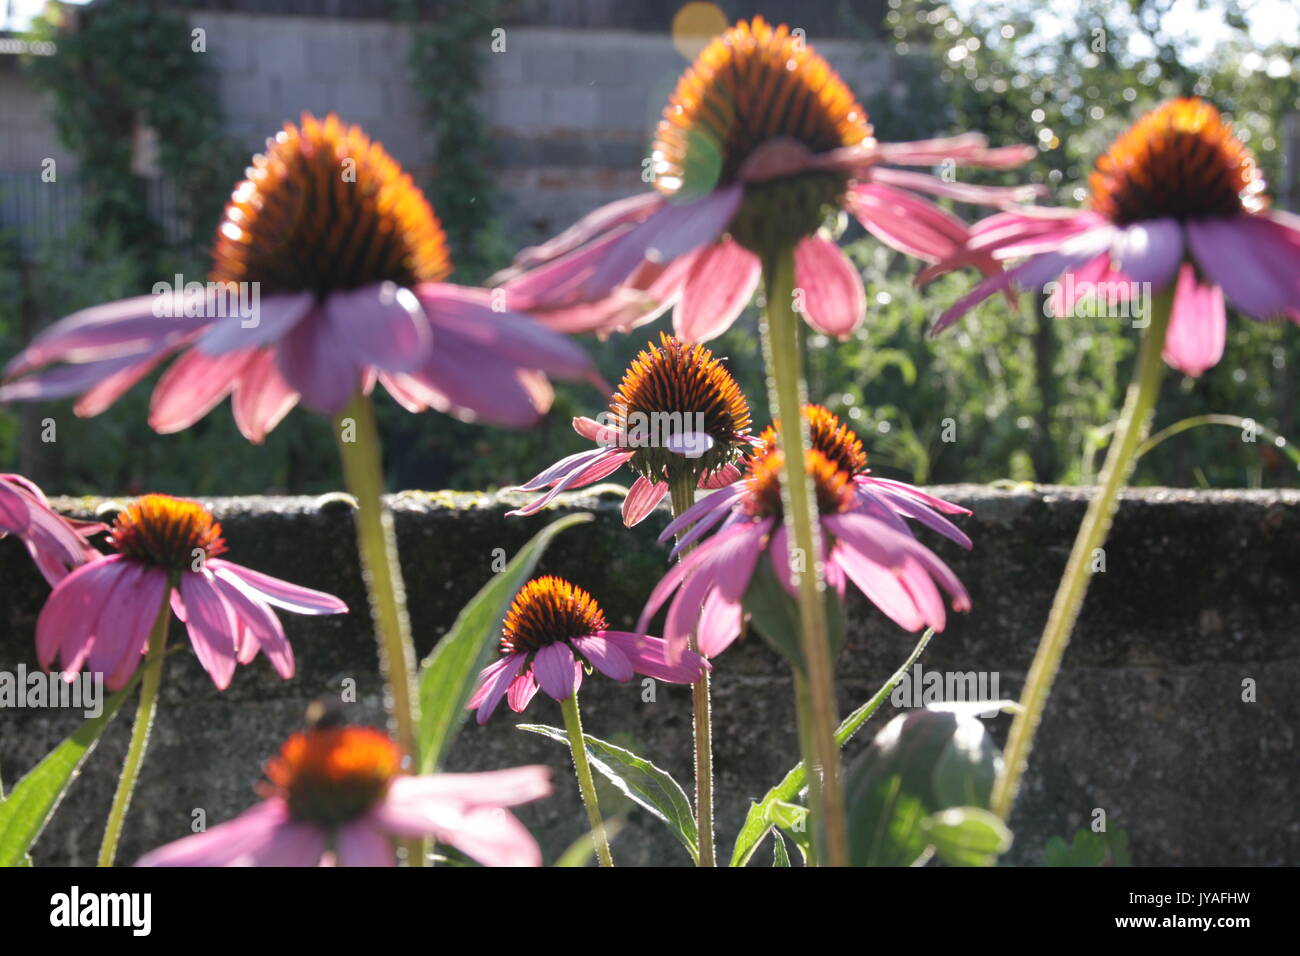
x=1131, y=429
x=358, y=441
x=786, y=397
x=144, y=714
x=586, y=785
x=682, y=492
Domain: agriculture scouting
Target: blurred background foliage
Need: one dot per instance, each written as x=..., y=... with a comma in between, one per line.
x=1025, y=398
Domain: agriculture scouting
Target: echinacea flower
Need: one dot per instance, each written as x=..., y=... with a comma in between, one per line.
x=1177, y=199
x=760, y=144
x=337, y=796
x=677, y=413
x=553, y=632
x=865, y=539
x=56, y=544
x=343, y=263
x=167, y=549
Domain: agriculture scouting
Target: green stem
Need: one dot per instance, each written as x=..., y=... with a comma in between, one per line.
x=1129, y=433
x=358, y=441
x=786, y=397
x=803, y=708
x=682, y=491
x=586, y=785
x=144, y=714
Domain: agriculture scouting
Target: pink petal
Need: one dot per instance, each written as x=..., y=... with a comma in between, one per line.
x=834, y=299
x=261, y=398
x=259, y=621
x=719, y=286
x=291, y=597
x=522, y=691
x=360, y=844
x=1198, y=325
x=383, y=325
x=492, y=683
x=653, y=657
x=227, y=844
x=554, y=668
x=642, y=498
x=212, y=626
x=194, y=385
x=275, y=316
x=319, y=366
x=605, y=656
x=65, y=623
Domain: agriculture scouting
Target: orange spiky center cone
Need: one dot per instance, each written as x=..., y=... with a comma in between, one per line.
x=171, y=533
x=546, y=610
x=1180, y=160
x=753, y=85
x=326, y=209
x=331, y=775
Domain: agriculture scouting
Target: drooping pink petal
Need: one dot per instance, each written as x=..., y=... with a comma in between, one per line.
x=274, y=591
x=556, y=670
x=360, y=843
x=962, y=192
x=275, y=316
x=603, y=462
x=64, y=626
x=604, y=655
x=522, y=691
x=726, y=475
x=1198, y=325
x=491, y=788
x=101, y=396
x=719, y=286
x=261, y=397
x=473, y=316
x=382, y=325
x=212, y=626
x=124, y=627
x=318, y=365
x=258, y=621
x=652, y=657
x=112, y=330
x=642, y=499
x=720, y=624
x=727, y=568
x=486, y=833
x=493, y=681
x=227, y=844
x=193, y=386
x=834, y=300
x=1224, y=251
x=1149, y=251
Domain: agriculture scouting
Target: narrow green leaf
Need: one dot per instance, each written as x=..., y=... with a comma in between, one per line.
x=26, y=811
x=780, y=855
x=640, y=780
x=447, y=675
x=756, y=822
x=967, y=836
x=583, y=850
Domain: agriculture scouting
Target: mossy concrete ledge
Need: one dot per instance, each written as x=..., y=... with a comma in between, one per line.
x=1175, y=714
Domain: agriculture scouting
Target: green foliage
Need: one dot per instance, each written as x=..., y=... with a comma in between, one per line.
x=1088, y=848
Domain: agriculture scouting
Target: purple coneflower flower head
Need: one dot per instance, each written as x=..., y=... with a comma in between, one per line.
x=866, y=539
x=56, y=544
x=761, y=145
x=1177, y=201
x=100, y=616
x=553, y=633
x=337, y=796
x=337, y=264
x=677, y=413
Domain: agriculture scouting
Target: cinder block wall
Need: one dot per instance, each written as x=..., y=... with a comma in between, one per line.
x=1148, y=722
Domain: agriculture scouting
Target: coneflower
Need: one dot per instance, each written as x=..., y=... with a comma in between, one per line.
x=337, y=796
x=760, y=146
x=677, y=415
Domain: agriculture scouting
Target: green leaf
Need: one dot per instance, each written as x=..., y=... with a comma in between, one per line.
x=967, y=836
x=447, y=676
x=780, y=856
x=792, y=819
x=921, y=764
x=26, y=811
x=642, y=782
x=757, y=822
x=1089, y=849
